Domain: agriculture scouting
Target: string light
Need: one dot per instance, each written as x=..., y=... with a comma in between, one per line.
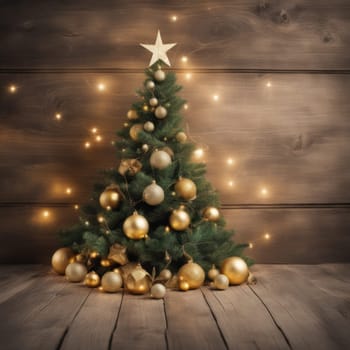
x=264, y=191
x=98, y=138
x=173, y=18
x=251, y=245
x=268, y=84
x=198, y=153
x=230, y=161
x=76, y=206
x=100, y=219
x=101, y=87
x=87, y=144
x=184, y=59
x=68, y=190
x=231, y=183
x=46, y=214
x=185, y=106
x=12, y=89
x=58, y=116
x=188, y=76
x=216, y=97
x=86, y=223
x=94, y=130
x=267, y=236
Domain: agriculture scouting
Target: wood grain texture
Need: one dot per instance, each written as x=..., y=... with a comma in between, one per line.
x=241, y=34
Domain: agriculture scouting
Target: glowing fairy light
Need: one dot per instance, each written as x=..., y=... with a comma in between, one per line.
x=268, y=84
x=267, y=236
x=101, y=87
x=58, y=116
x=68, y=190
x=230, y=161
x=12, y=89
x=264, y=191
x=186, y=106
x=98, y=138
x=94, y=130
x=87, y=223
x=184, y=59
x=76, y=206
x=251, y=245
x=198, y=153
x=87, y=144
x=231, y=183
x=173, y=18
x=46, y=214
x=101, y=219
x=188, y=76
x=216, y=98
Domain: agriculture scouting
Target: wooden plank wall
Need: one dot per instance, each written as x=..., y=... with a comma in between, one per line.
x=281, y=71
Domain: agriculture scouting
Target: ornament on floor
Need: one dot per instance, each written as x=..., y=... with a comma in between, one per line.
x=110, y=197
x=211, y=214
x=165, y=275
x=186, y=189
x=129, y=166
x=181, y=137
x=136, y=226
x=148, y=126
x=61, y=258
x=179, y=219
x=190, y=276
x=160, y=112
x=75, y=272
x=153, y=194
x=132, y=114
x=134, y=131
x=160, y=159
x=236, y=269
x=138, y=281
x=213, y=272
x=158, y=291
x=153, y=101
x=150, y=85
x=92, y=279
x=117, y=253
x=221, y=282
x=111, y=282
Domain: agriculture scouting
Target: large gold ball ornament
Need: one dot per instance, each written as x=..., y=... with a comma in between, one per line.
x=160, y=112
x=159, y=75
x=158, y=291
x=179, y=219
x=153, y=101
x=75, y=272
x=150, y=85
x=138, y=281
x=132, y=114
x=60, y=259
x=160, y=159
x=153, y=194
x=111, y=282
x=136, y=226
x=92, y=279
x=186, y=189
x=211, y=214
x=236, y=269
x=134, y=131
x=221, y=282
x=110, y=198
x=213, y=272
x=191, y=273
x=181, y=137
x=148, y=126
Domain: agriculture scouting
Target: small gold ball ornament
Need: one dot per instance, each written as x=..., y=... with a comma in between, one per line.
x=148, y=126
x=158, y=291
x=211, y=214
x=186, y=189
x=134, y=131
x=92, y=279
x=136, y=226
x=160, y=112
x=181, y=137
x=221, y=282
x=213, y=272
x=153, y=194
x=111, y=282
x=236, y=269
x=75, y=272
x=191, y=273
x=110, y=198
x=160, y=159
x=165, y=275
x=150, y=85
x=153, y=101
x=132, y=114
x=61, y=258
x=179, y=219
x=138, y=281
x=159, y=75
x=145, y=148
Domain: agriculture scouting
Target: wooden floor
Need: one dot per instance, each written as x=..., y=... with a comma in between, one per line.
x=291, y=307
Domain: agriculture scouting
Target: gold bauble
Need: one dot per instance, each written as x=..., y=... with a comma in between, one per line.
x=153, y=194
x=191, y=273
x=160, y=112
x=181, y=137
x=136, y=226
x=75, y=272
x=138, y=281
x=60, y=259
x=168, y=150
x=150, y=84
x=134, y=131
x=106, y=262
x=236, y=269
x=184, y=286
x=186, y=189
x=111, y=282
x=179, y=219
x=145, y=147
x=110, y=198
x=213, y=272
x=160, y=159
x=153, y=101
x=159, y=75
x=132, y=114
x=165, y=275
x=148, y=126
x=221, y=282
x=92, y=279
x=211, y=214
x=158, y=291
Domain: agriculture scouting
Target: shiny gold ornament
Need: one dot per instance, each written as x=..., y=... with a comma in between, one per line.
x=148, y=126
x=136, y=226
x=94, y=255
x=184, y=286
x=236, y=269
x=213, y=272
x=191, y=273
x=158, y=291
x=153, y=102
x=159, y=75
x=75, y=272
x=165, y=275
x=186, y=189
x=105, y=262
x=80, y=258
x=117, y=253
x=168, y=150
x=221, y=282
x=60, y=259
x=160, y=159
x=211, y=214
x=153, y=194
x=160, y=112
x=145, y=148
x=179, y=219
x=130, y=166
x=181, y=137
x=132, y=114
x=138, y=281
x=92, y=279
x=111, y=282
x=150, y=85
x=110, y=198
x=134, y=131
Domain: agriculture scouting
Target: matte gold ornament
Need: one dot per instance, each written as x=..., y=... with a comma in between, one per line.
x=138, y=281
x=60, y=259
x=160, y=159
x=160, y=112
x=150, y=85
x=75, y=272
x=148, y=126
x=179, y=219
x=130, y=166
x=213, y=272
x=221, y=282
x=132, y=114
x=191, y=273
x=211, y=214
x=165, y=275
x=168, y=150
x=236, y=269
x=92, y=279
x=158, y=291
x=181, y=137
x=117, y=253
x=186, y=189
x=145, y=148
x=159, y=75
x=153, y=101
x=136, y=227
x=110, y=198
x=153, y=194
x=134, y=131
x=111, y=282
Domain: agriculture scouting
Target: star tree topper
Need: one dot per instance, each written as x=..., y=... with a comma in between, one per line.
x=159, y=50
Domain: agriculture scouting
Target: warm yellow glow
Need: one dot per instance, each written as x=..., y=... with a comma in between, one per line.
x=108, y=208
x=268, y=84
x=145, y=108
x=267, y=236
x=230, y=161
x=167, y=229
x=101, y=87
x=87, y=223
x=188, y=76
x=184, y=59
x=98, y=138
x=198, y=153
x=68, y=190
x=123, y=150
x=12, y=88
x=46, y=214
x=94, y=130
x=264, y=191
x=186, y=106
x=76, y=206
x=94, y=255
x=231, y=183
x=216, y=97
x=101, y=219
x=58, y=116
x=173, y=18
x=87, y=144
x=251, y=245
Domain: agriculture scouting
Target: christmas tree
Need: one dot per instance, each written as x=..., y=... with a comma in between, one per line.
x=156, y=207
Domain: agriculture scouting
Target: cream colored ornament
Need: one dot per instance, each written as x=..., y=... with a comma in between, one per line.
x=186, y=189
x=110, y=198
x=92, y=279
x=160, y=159
x=236, y=269
x=168, y=150
x=221, y=282
x=158, y=291
x=191, y=273
x=111, y=282
x=160, y=112
x=165, y=275
x=61, y=258
x=145, y=148
x=179, y=219
x=134, y=131
x=136, y=227
x=181, y=137
x=213, y=272
x=148, y=126
x=159, y=75
x=211, y=214
x=138, y=281
x=150, y=85
x=153, y=101
x=75, y=272
x=153, y=194
x=132, y=114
